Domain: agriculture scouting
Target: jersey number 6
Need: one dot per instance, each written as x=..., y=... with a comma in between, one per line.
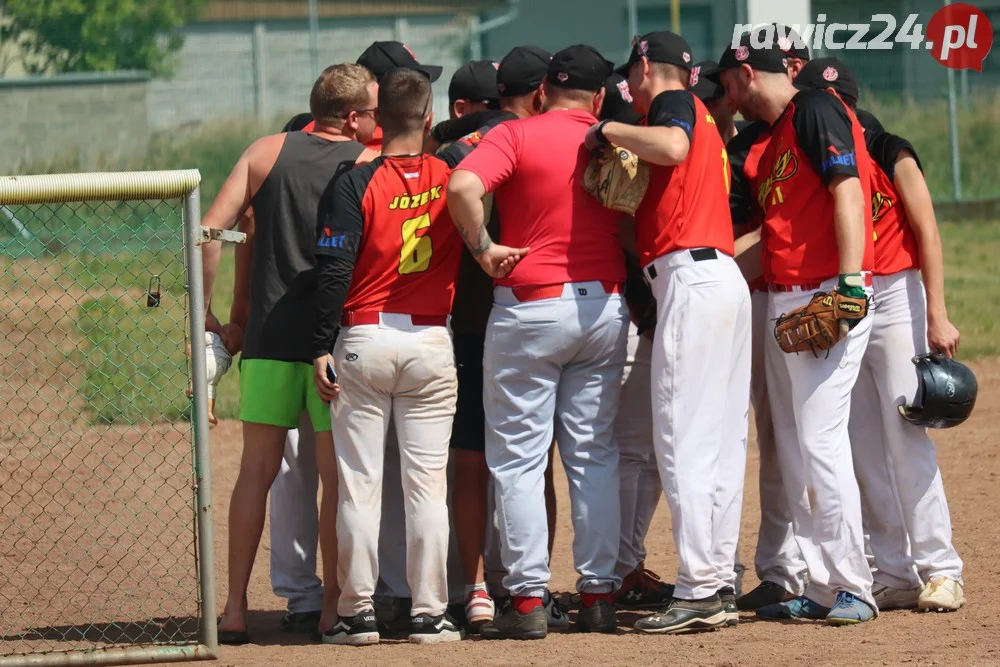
x=415, y=255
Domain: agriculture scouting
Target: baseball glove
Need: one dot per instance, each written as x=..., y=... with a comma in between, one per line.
x=817, y=326
x=617, y=178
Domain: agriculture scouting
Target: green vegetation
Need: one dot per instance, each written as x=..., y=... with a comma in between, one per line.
x=95, y=35
x=972, y=285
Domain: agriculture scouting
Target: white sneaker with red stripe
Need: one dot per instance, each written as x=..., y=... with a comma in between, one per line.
x=479, y=607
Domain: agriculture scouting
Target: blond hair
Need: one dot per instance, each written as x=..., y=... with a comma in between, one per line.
x=338, y=91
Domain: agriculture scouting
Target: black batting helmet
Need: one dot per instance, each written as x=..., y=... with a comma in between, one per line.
x=946, y=392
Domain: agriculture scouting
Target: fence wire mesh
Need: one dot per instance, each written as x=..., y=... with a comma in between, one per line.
x=97, y=478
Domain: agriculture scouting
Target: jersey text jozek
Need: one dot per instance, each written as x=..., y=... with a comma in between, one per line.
x=391, y=218
x=686, y=206
x=535, y=167
x=895, y=242
x=816, y=139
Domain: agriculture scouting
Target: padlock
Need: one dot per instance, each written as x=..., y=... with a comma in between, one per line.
x=153, y=292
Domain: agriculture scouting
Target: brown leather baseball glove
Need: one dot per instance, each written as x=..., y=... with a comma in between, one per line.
x=820, y=324
x=617, y=178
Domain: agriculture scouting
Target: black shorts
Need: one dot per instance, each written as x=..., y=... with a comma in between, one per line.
x=469, y=428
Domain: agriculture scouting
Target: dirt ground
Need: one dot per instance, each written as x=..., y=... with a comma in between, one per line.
x=970, y=461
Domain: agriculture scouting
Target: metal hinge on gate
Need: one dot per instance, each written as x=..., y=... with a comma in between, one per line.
x=209, y=234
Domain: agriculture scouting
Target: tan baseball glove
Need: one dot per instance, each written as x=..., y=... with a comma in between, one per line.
x=820, y=324
x=617, y=178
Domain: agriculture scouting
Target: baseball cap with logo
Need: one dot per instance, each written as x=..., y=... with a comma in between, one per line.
x=475, y=81
x=766, y=58
x=704, y=87
x=381, y=57
x=824, y=73
x=618, y=101
x=659, y=47
x=522, y=70
x=579, y=67
x=791, y=42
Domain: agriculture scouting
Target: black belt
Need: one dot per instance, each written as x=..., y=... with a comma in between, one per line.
x=698, y=255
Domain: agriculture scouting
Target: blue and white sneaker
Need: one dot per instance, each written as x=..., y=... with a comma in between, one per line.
x=849, y=610
x=800, y=607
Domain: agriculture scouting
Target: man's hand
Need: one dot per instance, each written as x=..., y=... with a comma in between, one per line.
x=233, y=338
x=327, y=390
x=213, y=325
x=499, y=260
x=595, y=136
x=942, y=336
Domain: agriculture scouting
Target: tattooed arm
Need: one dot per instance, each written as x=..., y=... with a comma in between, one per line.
x=465, y=203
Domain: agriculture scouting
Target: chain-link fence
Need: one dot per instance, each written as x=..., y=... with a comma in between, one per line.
x=100, y=477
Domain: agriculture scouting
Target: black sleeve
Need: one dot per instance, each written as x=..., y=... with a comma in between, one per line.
x=456, y=128
x=823, y=127
x=885, y=150
x=297, y=123
x=454, y=153
x=868, y=121
x=742, y=203
x=673, y=108
x=340, y=235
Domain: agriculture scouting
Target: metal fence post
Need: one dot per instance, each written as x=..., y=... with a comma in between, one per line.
x=199, y=421
x=259, y=73
x=956, y=158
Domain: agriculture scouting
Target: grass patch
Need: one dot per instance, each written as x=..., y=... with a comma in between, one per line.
x=972, y=285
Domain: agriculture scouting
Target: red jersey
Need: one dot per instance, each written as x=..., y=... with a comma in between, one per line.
x=535, y=167
x=815, y=139
x=686, y=206
x=895, y=243
x=745, y=151
x=391, y=218
x=375, y=144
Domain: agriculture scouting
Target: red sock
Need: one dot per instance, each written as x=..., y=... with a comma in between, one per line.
x=590, y=599
x=524, y=604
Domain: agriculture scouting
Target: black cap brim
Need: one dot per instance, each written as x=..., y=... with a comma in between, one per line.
x=433, y=72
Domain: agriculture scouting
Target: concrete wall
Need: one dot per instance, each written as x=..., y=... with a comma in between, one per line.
x=72, y=117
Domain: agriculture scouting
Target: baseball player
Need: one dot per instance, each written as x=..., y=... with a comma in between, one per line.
x=387, y=224
x=519, y=75
x=812, y=185
x=556, y=340
x=473, y=88
x=685, y=241
x=282, y=178
x=713, y=97
x=894, y=460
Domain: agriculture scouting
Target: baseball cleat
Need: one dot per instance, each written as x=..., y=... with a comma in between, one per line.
x=728, y=597
x=800, y=607
x=358, y=630
x=555, y=612
x=941, y=594
x=643, y=589
x=849, y=610
x=598, y=618
x=684, y=616
x=766, y=593
x=427, y=629
x=513, y=625
x=895, y=598
x=479, y=609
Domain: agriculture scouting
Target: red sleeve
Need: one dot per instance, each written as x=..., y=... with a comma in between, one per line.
x=496, y=156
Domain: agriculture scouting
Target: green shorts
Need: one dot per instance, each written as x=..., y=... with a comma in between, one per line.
x=276, y=392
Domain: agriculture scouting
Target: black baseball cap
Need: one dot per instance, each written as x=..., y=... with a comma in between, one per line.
x=618, y=101
x=579, y=67
x=824, y=73
x=702, y=86
x=522, y=70
x=662, y=46
x=766, y=58
x=791, y=42
x=381, y=57
x=475, y=81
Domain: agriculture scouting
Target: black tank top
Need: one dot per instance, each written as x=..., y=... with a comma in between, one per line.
x=286, y=226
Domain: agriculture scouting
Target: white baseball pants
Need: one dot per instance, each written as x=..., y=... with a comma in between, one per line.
x=640, y=478
x=815, y=455
x=295, y=523
x=555, y=364
x=701, y=405
x=392, y=530
x=895, y=461
x=777, y=558
x=408, y=373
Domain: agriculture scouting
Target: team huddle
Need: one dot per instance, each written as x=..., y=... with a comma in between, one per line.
x=415, y=297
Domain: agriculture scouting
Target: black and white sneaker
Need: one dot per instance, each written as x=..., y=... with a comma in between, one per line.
x=728, y=597
x=357, y=630
x=682, y=616
x=427, y=629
